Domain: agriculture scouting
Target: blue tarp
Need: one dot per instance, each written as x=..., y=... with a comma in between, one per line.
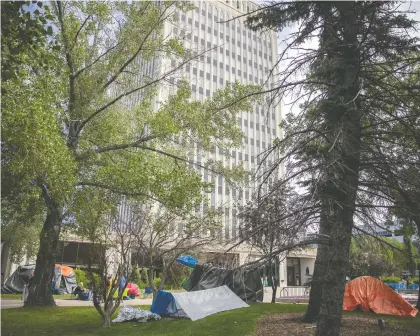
x=162, y=302
x=187, y=261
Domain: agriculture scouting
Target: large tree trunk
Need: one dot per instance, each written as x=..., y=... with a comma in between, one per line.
x=320, y=268
x=329, y=321
x=39, y=291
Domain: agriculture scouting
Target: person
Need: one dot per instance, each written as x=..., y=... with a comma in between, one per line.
x=78, y=290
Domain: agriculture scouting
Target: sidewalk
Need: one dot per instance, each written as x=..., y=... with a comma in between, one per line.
x=8, y=304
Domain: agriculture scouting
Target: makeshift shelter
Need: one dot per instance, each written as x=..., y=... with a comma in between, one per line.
x=196, y=305
x=64, y=280
x=133, y=289
x=245, y=283
x=370, y=293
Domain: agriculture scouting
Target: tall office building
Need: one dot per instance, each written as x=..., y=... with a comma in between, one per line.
x=235, y=53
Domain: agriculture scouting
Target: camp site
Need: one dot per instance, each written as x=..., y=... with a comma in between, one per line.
x=210, y=168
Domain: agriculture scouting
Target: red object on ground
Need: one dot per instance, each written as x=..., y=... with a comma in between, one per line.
x=133, y=289
x=370, y=293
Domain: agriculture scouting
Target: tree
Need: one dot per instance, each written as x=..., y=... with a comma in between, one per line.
x=328, y=144
x=162, y=236
x=135, y=275
x=377, y=257
x=78, y=129
x=274, y=233
x=27, y=57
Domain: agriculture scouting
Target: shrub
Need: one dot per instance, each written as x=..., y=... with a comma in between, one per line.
x=144, y=275
x=81, y=277
x=391, y=279
x=135, y=275
x=414, y=280
x=157, y=282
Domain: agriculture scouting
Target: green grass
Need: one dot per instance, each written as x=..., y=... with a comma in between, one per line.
x=19, y=296
x=65, y=321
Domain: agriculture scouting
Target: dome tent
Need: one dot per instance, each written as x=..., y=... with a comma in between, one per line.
x=64, y=279
x=370, y=293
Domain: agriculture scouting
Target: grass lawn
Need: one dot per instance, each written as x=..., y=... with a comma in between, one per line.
x=65, y=321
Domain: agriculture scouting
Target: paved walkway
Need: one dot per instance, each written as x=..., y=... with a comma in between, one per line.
x=7, y=304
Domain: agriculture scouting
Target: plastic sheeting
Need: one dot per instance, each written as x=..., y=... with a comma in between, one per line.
x=187, y=261
x=244, y=283
x=371, y=293
x=16, y=282
x=128, y=313
x=200, y=304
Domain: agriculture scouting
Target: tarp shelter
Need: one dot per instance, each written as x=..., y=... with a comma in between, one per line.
x=243, y=282
x=187, y=261
x=370, y=293
x=133, y=289
x=64, y=280
x=196, y=305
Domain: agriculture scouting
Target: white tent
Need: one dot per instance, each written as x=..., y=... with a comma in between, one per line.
x=200, y=304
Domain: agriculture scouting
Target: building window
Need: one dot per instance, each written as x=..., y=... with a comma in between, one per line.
x=209, y=30
x=221, y=81
x=196, y=39
x=245, y=123
x=246, y=157
x=193, y=88
x=239, y=156
x=200, y=90
x=214, y=78
x=201, y=73
x=227, y=67
x=233, y=70
x=196, y=24
x=257, y=126
x=203, y=27
x=215, y=63
x=207, y=93
x=239, y=72
x=220, y=65
x=252, y=142
x=274, y=131
x=194, y=71
x=207, y=76
x=189, y=21
x=233, y=154
x=251, y=124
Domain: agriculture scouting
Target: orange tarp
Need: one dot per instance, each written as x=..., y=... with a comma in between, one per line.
x=65, y=270
x=371, y=293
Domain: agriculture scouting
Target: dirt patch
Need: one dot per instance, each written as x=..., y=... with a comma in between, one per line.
x=288, y=325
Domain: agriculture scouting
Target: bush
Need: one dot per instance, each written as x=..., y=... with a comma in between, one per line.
x=135, y=275
x=414, y=280
x=157, y=282
x=391, y=279
x=83, y=276
x=144, y=275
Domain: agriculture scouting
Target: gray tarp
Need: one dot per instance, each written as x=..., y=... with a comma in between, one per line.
x=16, y=282
x=199, y=304
x=244, y=283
